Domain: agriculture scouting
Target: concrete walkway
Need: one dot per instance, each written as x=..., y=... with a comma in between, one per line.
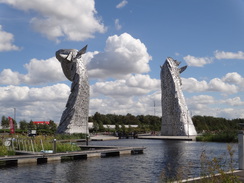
x=103, y=138
x=238, y=173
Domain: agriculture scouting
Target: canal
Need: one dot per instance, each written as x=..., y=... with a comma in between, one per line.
x=161, y=159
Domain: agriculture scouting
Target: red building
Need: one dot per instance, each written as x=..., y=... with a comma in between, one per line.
x=41, y=122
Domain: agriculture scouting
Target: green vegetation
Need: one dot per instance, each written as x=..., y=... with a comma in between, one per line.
x=5, y=151
x=145, y=123
x=220, y=136
x=217, y=129
x=209, y=123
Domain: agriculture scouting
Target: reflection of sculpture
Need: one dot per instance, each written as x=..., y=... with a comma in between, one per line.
x=75, y=117
x=176, y=120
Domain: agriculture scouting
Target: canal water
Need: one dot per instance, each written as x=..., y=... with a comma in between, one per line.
x=161, y=159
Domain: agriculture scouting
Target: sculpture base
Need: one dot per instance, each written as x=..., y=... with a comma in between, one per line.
x=72, y=129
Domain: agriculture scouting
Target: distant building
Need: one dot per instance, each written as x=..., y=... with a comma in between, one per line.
x=41, y=122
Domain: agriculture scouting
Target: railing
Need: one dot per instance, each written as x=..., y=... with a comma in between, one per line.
x=30, y=145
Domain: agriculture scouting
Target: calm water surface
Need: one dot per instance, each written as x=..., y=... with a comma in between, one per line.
x=161, y=159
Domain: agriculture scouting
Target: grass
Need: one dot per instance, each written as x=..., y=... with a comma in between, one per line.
x=4, y=151
x=41, y=144
x=38, y=144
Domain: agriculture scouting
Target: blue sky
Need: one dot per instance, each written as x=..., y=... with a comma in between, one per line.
x=127, y=41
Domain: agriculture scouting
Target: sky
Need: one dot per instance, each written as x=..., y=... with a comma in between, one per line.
x=128, y=41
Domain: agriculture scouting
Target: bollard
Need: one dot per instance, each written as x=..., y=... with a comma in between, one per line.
x=241, y=150
x=54, y=146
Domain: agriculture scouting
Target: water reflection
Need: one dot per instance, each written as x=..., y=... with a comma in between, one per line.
x=172, y=158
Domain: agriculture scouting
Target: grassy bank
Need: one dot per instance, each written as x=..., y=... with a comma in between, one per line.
x=220, y=136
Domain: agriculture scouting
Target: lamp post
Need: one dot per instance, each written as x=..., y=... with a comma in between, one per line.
x=14, y=114
x=87, y=132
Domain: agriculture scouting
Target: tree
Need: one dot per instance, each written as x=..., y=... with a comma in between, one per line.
x=123, y=128
x=52, y=126
x=117, y=128
x=23, y=125
x=101, y=128
x=97, y=117
x=31, y=126
x=95, y=126
x=5, y=122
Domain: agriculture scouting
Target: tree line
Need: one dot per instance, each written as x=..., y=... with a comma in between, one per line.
x=153, y=123
x=215, y=124
x=146, y=123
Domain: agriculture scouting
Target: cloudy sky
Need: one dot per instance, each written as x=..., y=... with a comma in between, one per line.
x=127, y=41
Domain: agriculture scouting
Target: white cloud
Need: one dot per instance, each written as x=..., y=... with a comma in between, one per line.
x=34, y=103
x=236, y=101
x=6, y=41
x=143, y=81
x=193, y=85
x=203, y=99
x=139, y=105
x=229, y=55
x=197, y=61
x=38, y=72
x=217, y=84
x=201, y=61
x=26, y=94
x=74, y=20
x=117, y=24
x=7, y=76
x=231, y=83
x=43, y=71
x=233, y=78
x=123, y=55
x=132, y=86
x=200, y=103
x=122, y=4
x=206, y=105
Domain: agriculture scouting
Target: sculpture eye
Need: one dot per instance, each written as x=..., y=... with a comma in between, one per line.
x=63, y=55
